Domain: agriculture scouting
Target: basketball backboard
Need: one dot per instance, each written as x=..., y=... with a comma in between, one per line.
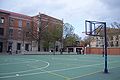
x=94, y=28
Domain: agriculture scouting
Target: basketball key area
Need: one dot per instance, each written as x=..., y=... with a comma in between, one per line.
x=58, y=67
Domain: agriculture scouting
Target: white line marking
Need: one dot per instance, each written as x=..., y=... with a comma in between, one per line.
x=17, y=74
x=74, y=59
x=29, y=74
x=63, y=59
x=31, y=69
x=18, y=62
x=90, y=73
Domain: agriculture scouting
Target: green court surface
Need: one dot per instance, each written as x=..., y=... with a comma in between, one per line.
x=58, y=67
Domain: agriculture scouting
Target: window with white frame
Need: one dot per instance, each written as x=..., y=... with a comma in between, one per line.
x=2, y=20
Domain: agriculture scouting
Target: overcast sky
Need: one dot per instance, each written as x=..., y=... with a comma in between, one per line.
x=74, y=12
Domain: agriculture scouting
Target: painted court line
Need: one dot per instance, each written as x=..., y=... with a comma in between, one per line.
x=75, y=59
x=50, y=71
x=29, y=70
x=53, y=73
x=69, y=58
x=29, y=74
x=90, y=73
x=85, y=75
x=18, y=62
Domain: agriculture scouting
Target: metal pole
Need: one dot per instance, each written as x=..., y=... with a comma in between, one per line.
x=105, y=50
x=103, y=46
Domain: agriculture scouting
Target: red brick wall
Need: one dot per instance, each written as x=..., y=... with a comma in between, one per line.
x=5, y=26
x=114, y=51
x=111, y=51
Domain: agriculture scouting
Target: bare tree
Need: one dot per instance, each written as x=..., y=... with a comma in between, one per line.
x=68, y=29
x=115, y=28
x=70, y=37
x=86, y=41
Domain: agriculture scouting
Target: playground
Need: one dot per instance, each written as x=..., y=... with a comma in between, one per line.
x=58, y=67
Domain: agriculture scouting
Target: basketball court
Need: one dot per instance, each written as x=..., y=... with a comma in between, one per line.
x=58, y=67
x=63, y=67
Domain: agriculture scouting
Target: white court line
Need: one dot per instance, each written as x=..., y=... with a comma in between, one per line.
x=29, y=74
x=17, y=63
x=74, y=59
x=85, y=75
x=90, y=73
x=29, y=70
x=64, y=59
x=70, y=58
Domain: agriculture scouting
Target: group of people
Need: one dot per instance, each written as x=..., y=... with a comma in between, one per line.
x=80, y=51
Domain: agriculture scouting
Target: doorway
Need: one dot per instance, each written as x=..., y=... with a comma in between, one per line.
x=1, y=46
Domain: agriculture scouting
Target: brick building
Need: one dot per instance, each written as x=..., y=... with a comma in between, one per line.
x=48, y=24
x=4, y=23
x=20, y=32
x=113, y=39
x=113, y=43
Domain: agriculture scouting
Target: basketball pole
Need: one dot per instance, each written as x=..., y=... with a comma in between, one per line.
x=105, y=39
x=105, y=49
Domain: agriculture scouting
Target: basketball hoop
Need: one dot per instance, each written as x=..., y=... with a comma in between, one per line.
x=93, y=28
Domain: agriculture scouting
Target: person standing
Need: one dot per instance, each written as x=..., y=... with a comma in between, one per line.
x=10, y=50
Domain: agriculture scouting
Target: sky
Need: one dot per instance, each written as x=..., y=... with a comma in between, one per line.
x=74, y=12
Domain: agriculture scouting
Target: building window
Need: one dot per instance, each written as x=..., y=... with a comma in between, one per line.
x=28, y=24
x=27, y=34
x=117, y=37
x=111, y=44
x=19, y=33
x=10, y=32
x=1, y=31
x=97, y=45
x=18, y=46
x=27, y=47
x=2, y=20
x=20, y=23
x=111, y=38
x=11, y=21
x=117, y=44
x=1, y=46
